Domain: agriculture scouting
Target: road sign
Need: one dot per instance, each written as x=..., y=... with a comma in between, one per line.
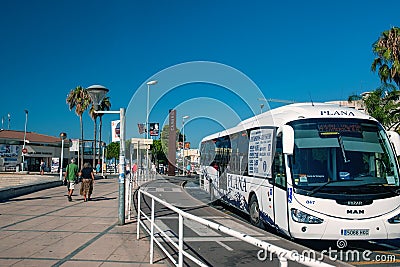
x=24, y=150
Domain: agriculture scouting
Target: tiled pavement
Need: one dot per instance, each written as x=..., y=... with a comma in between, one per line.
x=44, y=229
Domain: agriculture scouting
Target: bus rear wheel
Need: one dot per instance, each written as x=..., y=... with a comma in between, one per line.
x=254, y=211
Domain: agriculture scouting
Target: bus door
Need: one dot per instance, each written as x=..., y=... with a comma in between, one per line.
x=280, y=197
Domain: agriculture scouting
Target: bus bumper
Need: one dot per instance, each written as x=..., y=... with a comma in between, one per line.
x=335, y=229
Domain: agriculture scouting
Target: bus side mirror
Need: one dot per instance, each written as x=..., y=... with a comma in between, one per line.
x=394, y=138
x=287, y=139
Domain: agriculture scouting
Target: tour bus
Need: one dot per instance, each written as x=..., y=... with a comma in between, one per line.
x=310, y=170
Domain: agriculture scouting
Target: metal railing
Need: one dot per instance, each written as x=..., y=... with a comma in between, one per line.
x=283, y=254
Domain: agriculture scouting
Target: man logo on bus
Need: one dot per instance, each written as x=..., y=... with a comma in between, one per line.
x=355, y=211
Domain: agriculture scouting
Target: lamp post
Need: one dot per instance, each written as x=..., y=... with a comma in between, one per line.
x=23, y=147
x=63, y=136
x=103, y=145
x=97, y=94
x=147, y=124
x=183, y=143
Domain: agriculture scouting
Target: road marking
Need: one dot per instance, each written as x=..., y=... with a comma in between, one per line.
x=203, y=230
x=203, y=217
x=205, y=234
x=243, y=228
x=219, y=239
x=200, y=229
x=162, y=189
x=224, y=245
x=384, y=245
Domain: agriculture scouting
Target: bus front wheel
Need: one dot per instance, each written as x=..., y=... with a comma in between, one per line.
x=254, y=210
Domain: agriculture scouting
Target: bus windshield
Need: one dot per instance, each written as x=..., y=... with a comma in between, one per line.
x=342, y=156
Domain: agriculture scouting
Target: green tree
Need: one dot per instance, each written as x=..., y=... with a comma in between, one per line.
x=164, y=137
x=387, y=51
x=105, y=105
x=158, y=152
x=94, y=116
x=112, y=150
x=382, y=104
x=79, y=99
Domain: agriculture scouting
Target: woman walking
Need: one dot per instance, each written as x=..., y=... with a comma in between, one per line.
x=87, y=181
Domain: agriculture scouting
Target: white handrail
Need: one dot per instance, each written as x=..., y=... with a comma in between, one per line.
x=283, y=254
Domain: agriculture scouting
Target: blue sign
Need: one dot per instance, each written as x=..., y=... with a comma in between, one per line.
x=290, y=195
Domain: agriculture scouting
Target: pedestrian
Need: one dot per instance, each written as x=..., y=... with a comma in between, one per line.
x=42, y=166
x=188, y=169
x=87, y=181
x=98, y=168
x=134, y=171
x=71, y=173
x=153, y=169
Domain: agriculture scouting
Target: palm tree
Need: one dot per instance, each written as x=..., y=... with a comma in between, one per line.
x=79, y=99
x=387, y=50
x=382, y=104
x=94, y=116
x=105, y=105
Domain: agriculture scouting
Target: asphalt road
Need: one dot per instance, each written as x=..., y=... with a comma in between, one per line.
x=211, y=246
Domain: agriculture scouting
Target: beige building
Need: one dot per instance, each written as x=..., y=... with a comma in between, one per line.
x=194, y=155
x=38, y=147
x=358, y=104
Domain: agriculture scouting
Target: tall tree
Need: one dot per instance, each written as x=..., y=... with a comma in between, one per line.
x=105, y=105
x=387, y=51
x=158, y=153
x=79, y=99
x=94, y=116
x=382, y=104
x=164, y=136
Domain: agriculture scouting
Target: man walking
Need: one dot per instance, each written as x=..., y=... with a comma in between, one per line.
x=70, y=175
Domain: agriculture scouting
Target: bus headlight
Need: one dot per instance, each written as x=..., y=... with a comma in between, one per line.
x=395, y=219
x=302, y=217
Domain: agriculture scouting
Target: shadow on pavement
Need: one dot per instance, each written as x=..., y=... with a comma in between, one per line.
x=24, y=199
x=102, y=198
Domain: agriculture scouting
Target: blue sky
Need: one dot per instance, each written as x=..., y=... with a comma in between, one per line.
x=297, y=50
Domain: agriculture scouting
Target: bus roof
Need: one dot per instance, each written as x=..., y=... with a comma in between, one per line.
x=282, y=115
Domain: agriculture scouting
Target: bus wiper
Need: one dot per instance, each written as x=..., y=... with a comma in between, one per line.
x=390, y=188
x=342, y=148
x=321, y=186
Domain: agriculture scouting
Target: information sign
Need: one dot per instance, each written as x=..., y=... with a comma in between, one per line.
x=260, y=152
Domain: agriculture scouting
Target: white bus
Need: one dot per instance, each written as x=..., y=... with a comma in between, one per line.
x=310, y=170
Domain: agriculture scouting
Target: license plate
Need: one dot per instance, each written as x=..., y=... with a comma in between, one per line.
x=355, y=232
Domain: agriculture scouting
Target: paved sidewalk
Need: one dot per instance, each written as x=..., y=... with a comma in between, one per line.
x=14, y=179
x=44, y=229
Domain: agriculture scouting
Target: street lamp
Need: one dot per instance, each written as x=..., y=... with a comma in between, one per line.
x=103, y=145
x=63, y=136
x=23, y=147
x=97, y=94
x=183, y=143
x=154, y=82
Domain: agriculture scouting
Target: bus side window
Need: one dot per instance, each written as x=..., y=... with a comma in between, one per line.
x=278, y=170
